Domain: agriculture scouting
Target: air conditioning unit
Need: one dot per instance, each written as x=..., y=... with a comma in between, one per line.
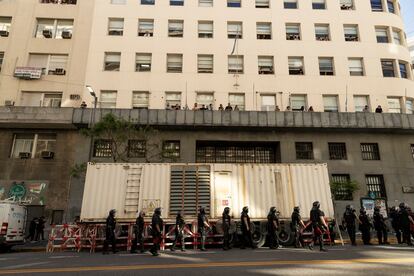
x=47, y=154
x=66, y=34
x=4, y=33
x=47, y=33
x=25, y=155
x=60, y=71
x=8, y=103
x=346, y=7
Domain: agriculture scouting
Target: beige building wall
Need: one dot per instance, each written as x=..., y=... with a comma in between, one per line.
x=22, y=42
x=253, y=85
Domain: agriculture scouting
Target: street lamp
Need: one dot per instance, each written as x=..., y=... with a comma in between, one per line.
x=93, y=94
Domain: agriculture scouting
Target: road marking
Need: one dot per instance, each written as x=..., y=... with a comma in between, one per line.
x=24, y=265
x=63, y=257
x=208, y=265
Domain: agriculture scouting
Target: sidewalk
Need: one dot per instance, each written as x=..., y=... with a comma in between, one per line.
x=39, y=246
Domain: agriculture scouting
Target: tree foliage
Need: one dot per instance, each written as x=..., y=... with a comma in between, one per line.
x=344, y=190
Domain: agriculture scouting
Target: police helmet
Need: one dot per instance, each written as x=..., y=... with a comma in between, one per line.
x=316, y=204
x=245, y=209
x=112, y=212
x=376, y=209
x=296, y=209
x=363, y=211
x=226, y=210
x=157, y=211
x=202, y=210
x=273, y=209
x=402, y=205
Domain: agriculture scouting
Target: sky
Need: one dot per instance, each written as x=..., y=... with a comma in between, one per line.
x=407, y=7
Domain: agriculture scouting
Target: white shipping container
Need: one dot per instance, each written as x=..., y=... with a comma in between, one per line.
x=133, y=187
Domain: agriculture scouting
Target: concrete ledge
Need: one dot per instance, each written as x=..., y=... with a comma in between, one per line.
x=36, y=117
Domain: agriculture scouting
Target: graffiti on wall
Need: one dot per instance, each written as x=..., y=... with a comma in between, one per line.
x=27, y=191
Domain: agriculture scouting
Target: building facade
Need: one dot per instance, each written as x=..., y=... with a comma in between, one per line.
x=43, y=51
x=333, y=55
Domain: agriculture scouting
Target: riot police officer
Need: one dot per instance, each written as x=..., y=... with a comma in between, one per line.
x=110, y=232
x=179, y=231
x=318, y=225
x=365, y=226
x=226, y=228
x=395, y=223
x=405, y=220
x=272, y=228
x=139, y=233
x=156, y=225
x=349, y=221
x=297, y=222
x=203, y=227
x=247, y=238
x=380, y=226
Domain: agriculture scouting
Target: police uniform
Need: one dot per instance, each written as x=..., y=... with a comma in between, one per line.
x=365, y=228
x=380, y=227
x=139, y=234
x=405, y=225
x=110, y=233
x=179, y=232
x=156, y=235
x=247, y=239
x=317, y=227
x=202, y=228
x=226, y=229
x=272, y=219
x=296, y=219
x=349, y=218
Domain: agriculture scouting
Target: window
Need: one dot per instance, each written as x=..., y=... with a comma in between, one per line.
x=175, y=28
x=118, y=2
x=347, y=4
x=268, y=102
x=50, y=64
x=1, y=59
x=304, y=150
x=176, y=2
x=136, y=148
x=102, y=148
x=290, y=4
x=266, y=66
x=237, y=99
x=174, y=63
x=108, y=99
x=330, y=103
x=147, y=2
x=262, y=4
x=298, y=102
x=337, y=151
x=293, y=31
x=342, y=193
x=234, y=3
x=171, y=149
x=319, y=4
x=146, y=27
x=112, y=61
x=370, y=151
x=376, y=185
x=205, y=29
x=391, y=6
x=205, y=63
x=360, y=103
x=322, y=32
x=264, y=30
x=376, y=5
x=351, y=32
x=382, y=34
x=235, y=64
x=412, y=150
x=296, y=66
x=54, y=28
x=57, y=217
x=173, y=99
x=23, y=146
x=205, y=98
x=5, y=24
x=41, y=99
x=234, y=30
x=396, y=35
x=237, y=152
x=403, y=69
x=326, y=67
x=46, y=145
x=140, y=100
x=116, y=26
x=394, y=105
x=356, y=67
x=409, y=106
x=143, y=62
x=205, y=3
x=388, y=68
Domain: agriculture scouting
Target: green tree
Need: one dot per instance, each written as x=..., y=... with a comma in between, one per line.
x=344, y=190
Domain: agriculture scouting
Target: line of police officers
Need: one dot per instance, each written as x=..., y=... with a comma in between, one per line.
x=401, y=221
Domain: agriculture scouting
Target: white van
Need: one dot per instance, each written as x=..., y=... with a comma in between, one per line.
x=12, y=223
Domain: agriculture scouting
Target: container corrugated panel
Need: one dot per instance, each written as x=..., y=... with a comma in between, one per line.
x=105, y=188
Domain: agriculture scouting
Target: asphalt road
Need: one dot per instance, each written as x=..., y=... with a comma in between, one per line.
x=361, y=260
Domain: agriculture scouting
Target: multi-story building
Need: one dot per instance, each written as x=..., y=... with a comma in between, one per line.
x=43, y=51
x=410, y=42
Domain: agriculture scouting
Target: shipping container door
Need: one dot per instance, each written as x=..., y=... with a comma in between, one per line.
x=190, y=189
